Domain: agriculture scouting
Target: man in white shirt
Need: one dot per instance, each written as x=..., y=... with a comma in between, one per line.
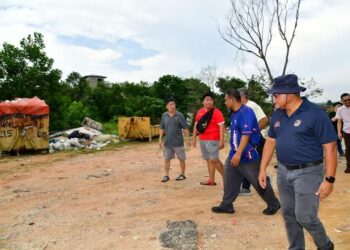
x=262, y=121
x=343, y=116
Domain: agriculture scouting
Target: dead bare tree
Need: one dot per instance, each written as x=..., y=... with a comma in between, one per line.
x=251, y=23
x=282, y=12
x=209, y=76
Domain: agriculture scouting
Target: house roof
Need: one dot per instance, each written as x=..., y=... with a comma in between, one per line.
x=96, y=76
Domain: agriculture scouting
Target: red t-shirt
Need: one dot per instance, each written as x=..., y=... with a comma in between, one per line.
x=212, y=132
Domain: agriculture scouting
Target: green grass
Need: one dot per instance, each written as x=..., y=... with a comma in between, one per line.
x=110, y=128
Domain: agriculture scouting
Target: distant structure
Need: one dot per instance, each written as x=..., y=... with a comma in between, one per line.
x=93, y=80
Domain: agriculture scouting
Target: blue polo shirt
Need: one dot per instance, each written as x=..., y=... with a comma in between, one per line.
x=243, y=122
x=299, y=138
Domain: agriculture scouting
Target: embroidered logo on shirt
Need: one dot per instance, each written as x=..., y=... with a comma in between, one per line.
x=297, y=123
x=277, y=124
x=246, y=125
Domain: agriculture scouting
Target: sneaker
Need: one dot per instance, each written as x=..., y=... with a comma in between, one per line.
x=271, y=210
x=221, y=210
x=245, y=192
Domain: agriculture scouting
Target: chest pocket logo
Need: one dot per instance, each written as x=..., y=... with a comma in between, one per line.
x=297, y=123
x=277, y=124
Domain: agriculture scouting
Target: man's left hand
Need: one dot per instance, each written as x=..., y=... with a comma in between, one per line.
x=236, y=159
x=325, y=189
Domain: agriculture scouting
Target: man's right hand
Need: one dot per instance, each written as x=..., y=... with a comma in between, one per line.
x=262, y=178
x=161, y=144
x=340, y=135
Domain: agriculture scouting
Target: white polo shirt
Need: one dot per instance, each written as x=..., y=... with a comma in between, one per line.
x=259, y=113
x=344, y=113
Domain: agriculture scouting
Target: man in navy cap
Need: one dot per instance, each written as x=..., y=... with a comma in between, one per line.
x=306, y=146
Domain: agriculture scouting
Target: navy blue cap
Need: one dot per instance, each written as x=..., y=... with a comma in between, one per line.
x=286, y=84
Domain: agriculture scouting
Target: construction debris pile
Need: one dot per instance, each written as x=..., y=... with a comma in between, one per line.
x=89, y=136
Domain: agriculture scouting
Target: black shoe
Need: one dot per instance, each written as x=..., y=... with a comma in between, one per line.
x=221, y=210
x=165, y=178
x=330, y=246
x=271, y=210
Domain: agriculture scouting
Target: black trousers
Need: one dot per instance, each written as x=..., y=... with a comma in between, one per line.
x=347, y=150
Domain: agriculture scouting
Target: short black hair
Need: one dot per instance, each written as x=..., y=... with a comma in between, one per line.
x=244, y=91
x=233, y=93
x=343, y=95
x=210, y=94
x=169, y=99
x=337, y=103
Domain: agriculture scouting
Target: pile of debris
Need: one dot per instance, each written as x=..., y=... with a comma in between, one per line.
x=88, y=136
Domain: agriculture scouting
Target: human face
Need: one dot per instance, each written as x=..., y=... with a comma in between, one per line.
x=171, y=107
x=208, y=102
x=229, y=102
x=280, y=100
x=346, y=100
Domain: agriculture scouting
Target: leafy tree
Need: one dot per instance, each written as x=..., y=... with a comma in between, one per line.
x=171, y=86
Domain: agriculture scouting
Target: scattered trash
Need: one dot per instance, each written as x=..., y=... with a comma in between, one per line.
x=89, y=137
x=97, y=175
x=343, y=229
x=21, y=190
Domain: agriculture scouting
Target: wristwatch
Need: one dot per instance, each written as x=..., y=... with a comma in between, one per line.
x=330, y=179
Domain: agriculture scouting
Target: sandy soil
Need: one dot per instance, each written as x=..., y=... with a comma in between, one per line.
x=114, y=200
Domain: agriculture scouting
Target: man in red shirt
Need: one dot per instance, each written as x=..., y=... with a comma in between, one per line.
x=212, y=138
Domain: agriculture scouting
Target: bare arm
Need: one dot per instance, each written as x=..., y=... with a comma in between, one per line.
x=187, y=136
x=339, y=125
x=194, y=136
x=161, y=134
x=222, y=136
x=263, y=123
x=330, y=154
x=266, y=157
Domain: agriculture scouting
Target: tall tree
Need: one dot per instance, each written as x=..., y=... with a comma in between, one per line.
x=251, y=26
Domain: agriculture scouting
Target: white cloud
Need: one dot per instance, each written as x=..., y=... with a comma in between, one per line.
x=184, y=34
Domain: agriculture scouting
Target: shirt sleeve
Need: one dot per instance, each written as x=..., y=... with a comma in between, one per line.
x=324, y=129
x=271, y=132
x=337, y=114
x=219, y=118
x=259, y=112
x=197, y=116
x=162, y=125
x=183, y=121
x=247, y=122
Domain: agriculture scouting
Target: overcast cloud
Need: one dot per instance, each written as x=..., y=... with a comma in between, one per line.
x=142, y=40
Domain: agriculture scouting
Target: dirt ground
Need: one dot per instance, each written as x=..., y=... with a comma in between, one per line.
x=114, y=199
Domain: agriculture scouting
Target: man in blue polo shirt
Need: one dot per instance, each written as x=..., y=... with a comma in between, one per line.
x=244, y=159
x=302, y=135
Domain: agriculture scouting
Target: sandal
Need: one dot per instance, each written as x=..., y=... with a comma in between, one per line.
x=165, y=178
x=208, y=183
x=180, y=177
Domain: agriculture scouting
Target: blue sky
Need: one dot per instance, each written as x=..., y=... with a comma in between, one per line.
x=142, y=40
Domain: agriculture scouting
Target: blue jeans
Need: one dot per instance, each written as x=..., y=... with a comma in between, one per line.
x=300, y=204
